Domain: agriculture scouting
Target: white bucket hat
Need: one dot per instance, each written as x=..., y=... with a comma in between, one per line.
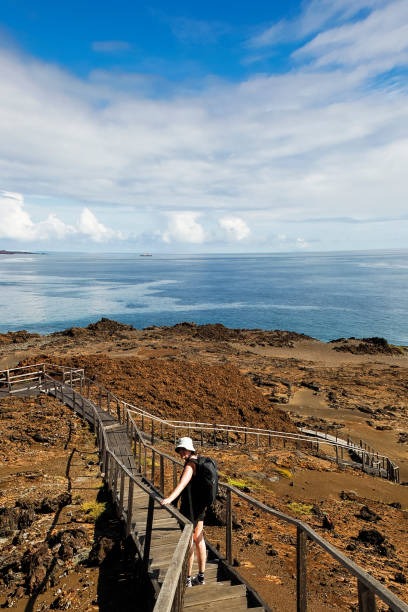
x=186, y=443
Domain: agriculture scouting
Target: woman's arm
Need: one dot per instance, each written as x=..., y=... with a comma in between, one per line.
x=184, y=480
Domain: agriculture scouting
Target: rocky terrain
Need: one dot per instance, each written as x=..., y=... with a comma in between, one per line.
x=61, y=545
x=257, y=378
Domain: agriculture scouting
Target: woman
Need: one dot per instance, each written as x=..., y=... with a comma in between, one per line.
x=192, y=507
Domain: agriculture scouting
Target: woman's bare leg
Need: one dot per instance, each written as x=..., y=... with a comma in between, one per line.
x=199, y=542
x=191, y=557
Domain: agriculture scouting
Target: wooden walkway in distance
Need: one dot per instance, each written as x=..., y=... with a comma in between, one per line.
x=217, y=593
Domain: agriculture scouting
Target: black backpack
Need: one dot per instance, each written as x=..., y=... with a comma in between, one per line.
x=207, y=474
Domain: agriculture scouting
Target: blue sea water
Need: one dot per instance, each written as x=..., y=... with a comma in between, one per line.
x=324, y=295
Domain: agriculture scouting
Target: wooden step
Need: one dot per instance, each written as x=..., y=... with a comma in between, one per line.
x=210, y=574
x=238, y=604
x=213, y=592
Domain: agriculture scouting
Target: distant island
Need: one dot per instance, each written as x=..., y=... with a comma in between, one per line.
x=3, y=252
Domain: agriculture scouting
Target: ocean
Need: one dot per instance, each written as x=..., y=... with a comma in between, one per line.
x=324, y=295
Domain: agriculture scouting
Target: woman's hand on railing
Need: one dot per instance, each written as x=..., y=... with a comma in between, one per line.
x=166, y=501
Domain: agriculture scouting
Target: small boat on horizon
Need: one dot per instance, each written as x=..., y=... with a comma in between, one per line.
x=146, y=255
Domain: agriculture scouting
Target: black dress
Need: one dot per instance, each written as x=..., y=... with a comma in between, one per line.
x=198, y=505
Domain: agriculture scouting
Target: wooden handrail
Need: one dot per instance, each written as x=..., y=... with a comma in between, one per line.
x=368, y=458
x=304, y=532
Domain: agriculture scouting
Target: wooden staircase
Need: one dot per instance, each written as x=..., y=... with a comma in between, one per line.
x=217, y=593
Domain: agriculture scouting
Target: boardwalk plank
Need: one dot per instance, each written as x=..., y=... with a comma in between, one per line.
x=209, y=593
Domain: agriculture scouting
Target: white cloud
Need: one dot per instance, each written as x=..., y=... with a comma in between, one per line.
x=183, y=227
x=301, y=243
x=90, y=226
x=17, y=224
x=235, y=227
x=316, y=142
x=380, y=41
x=315, y=14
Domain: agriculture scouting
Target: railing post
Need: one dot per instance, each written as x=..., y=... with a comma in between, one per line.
x=100, y=398
x=148, y=534
x=152, y=431
x=8, y=381
x=202, y=437
x=228, y=532
x=153, y=465
x=174, y=475
x=118, y=409
x=122, y=492
x=108, y=402
x=215, y=436
x=161, y=431
x=145, y=461
x=115, y=484
x=134, y=443
x=62, y=393
x=245, y=436
x=139, y=459
x=70, y=378
x=130, y=507
x=366, y=598
x=162, y=474
x=301, y=549
x=142, y=422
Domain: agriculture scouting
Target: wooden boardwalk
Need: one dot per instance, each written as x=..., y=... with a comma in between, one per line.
x=218, y=592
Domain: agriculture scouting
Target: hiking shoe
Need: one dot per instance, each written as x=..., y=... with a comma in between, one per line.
x=189, y=582
x=199, y=579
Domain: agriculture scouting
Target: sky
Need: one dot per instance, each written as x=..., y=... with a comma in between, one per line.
x=203, y=127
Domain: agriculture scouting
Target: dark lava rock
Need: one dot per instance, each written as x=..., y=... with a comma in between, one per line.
x=400, y=578
x=368, y=515
x=54, y=504
x=370, y=536
x=10, y=562
x=310, y=385
x=376, y=539
x=327, y=523
x=102, y=549
x=365, y=409
x=62, y=602
x=36, y=564
x=396, y=505
x=12, y=519
x=349, y=495
x=271, y=552
x=38, y=437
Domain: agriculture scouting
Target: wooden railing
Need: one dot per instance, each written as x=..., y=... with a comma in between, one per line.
x=366, y=458
x=368, y=587
x=170, y=595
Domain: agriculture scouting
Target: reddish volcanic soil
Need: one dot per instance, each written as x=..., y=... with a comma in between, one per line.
x=265, y=379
